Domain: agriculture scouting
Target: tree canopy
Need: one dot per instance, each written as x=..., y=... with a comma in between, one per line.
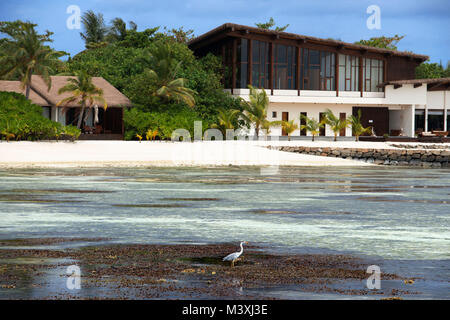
x=169, y=87
x=24, y=52
x=270, y=24
x=429, y=70
x=382, y=42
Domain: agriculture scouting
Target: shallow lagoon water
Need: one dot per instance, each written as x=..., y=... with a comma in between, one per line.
x=399, y=215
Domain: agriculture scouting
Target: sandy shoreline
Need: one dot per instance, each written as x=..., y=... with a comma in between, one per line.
x=162, y=154
x=82, y=154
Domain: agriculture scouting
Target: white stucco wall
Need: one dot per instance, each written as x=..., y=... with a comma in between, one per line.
x=436, y=99
x=312, y=111
x=401, y=103
x=406, y=94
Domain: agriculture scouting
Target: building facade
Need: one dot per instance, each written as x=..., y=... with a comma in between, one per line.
x=307, y=75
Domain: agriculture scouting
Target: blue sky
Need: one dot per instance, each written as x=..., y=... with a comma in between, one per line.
x=426, y=23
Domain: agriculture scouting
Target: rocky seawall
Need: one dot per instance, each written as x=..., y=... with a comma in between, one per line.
x=394, y=157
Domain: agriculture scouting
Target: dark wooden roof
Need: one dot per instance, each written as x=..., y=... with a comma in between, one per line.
x=226, y=28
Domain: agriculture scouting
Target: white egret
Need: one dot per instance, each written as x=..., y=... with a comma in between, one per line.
x=233, y=257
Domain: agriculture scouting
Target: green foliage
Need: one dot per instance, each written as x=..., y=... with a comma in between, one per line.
x=95, y=29
x=428, y=70
x=24, y=53
x=256, y=109
x=161, y=70
x=357, y=127
x=115, y=63
x=118, y=30
x=22, y=120
x=179, y=35
x=311, y=125
x=126, y=64
x=227, y=119
x=271, y=23
x=382, y=42
x=138, y=122
x=83, y=90
x=336, y=124
x=288, y=126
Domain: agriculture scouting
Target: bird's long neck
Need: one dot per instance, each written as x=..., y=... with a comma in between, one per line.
x=242, y=248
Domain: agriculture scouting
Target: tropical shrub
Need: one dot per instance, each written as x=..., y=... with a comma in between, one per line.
x=311, y=125
x=139, y=122
x=22, y=120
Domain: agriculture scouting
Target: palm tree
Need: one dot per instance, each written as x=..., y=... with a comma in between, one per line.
x=312, y=125
x=227, y=118
x=266, y=125
x=288, y=126
x=357, y=127
x=84, y=91
x=255, y=111
x=118, y=30
x=162, y=71
x=336, y=124
x=95, y=29
x=25, y=54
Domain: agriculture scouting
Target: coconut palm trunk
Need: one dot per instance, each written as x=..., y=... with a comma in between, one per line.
x=28, y=86
x=80, y=117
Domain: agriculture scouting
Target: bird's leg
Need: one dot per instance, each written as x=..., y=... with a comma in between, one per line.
x=232, y=263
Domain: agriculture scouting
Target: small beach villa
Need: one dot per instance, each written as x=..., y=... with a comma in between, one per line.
x=307, y=75
x=110, y=122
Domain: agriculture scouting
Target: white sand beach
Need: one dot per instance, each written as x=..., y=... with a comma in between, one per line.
x=136, y=154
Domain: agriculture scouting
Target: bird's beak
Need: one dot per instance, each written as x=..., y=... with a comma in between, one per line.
x=246, y=242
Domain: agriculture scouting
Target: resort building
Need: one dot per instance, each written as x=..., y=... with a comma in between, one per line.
x=307, y=75
x=110, y=122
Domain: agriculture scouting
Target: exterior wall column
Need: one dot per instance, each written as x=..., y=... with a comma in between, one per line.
x=445, y=110
x=233, y=72
x=426, y=118
x=412, y=120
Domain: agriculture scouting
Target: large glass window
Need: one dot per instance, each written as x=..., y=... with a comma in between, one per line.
x=435, y=120
x=242, y=63
x=448, y=122
x=317, y=70
x=373, y=74
x=419, y=121
x=260, y=64
x=284, y=67
x=228, y=64
x=348, y=73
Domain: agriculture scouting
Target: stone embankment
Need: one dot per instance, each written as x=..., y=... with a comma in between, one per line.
x=394, y=157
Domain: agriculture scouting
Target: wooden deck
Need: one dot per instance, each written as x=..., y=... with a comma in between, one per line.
x=407, y=139
x=103, y=136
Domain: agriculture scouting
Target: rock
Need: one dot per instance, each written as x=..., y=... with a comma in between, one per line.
x=436, y=165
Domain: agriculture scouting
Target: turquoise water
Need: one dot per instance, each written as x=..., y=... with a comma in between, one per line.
x=400, y=216
x=391, y=213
